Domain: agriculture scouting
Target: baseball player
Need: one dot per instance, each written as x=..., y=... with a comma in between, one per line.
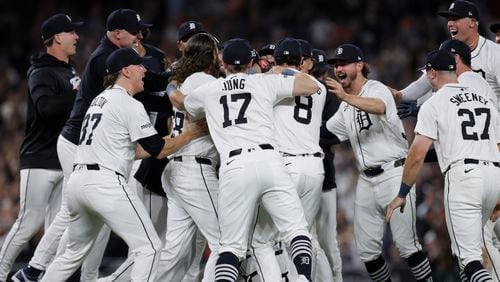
x=186, y=30
x=326, y=219
x=239, y=110
x=367, y=118
x=116, y=130
x=297, y=123
x=123, y=30
x=52, y=86
x=307, y=63
x=464, y=128
x=266, y=57
x=147, y=172
x=190, y=179
x=495, y=28
x=463, y=22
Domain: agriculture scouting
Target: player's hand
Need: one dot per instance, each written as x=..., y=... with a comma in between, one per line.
x=196, y=128
x=336, y=88
x=396, y=94
x=407, y=109
x=398, y=202
x=496, y=212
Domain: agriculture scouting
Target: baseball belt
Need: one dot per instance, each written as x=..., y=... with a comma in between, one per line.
x=94, y=167
x=197, y=159
x=236, y=152
x=317, y=154
x=474, y=161
x=377, y=170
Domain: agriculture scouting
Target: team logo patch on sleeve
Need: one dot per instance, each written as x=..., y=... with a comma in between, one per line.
x=147, y=125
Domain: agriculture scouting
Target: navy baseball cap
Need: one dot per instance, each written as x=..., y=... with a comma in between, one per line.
x=58, y=23
x=495, y=27
x=319, y=57
x=457, y=47
x=188, y=29
x=288, y=47
x=461, y=9
x=306, y=48
x=126, y=19
x=267, y=50
x=123, y=57
x=237, y=52
x=347, y=52
x=440, y=60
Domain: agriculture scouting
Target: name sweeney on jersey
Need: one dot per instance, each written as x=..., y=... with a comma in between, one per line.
x=233, y=84
x=467, y=97
x=99, y=101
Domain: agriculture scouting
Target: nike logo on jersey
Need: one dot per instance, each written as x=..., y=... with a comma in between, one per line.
x=229, y=162
x=468, y=170
x=288, y=164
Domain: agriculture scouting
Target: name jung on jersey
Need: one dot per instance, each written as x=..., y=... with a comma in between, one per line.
x=233, y=84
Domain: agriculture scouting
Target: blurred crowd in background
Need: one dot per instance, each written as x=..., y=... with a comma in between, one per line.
x=394, y=34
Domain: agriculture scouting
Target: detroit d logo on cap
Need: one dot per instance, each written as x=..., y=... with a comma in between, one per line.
x=321, y=59
x=452, y=6
x=138, y=17
x=192, y=26
x=339, y=51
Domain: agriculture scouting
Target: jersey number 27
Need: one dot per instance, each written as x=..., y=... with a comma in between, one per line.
x=470, y=121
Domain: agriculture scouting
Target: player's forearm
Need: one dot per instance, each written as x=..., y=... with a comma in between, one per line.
x=413, y=164
x=367, y=104
x=140, y=153
x=416, y=89
x=173, y=144
x=303, y=85
x=176, y=96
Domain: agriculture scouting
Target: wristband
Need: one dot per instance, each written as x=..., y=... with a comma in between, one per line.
x=170, y=89
x=403, y=190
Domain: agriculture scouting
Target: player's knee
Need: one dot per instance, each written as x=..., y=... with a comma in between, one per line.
x=368, y=256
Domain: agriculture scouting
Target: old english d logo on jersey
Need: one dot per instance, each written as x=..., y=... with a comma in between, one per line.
x=363, y=120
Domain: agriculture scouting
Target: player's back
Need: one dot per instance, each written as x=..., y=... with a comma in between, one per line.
x=112, y=124
x=298, y=121
x=465, y=122
x=201, y=146
x=239, y=109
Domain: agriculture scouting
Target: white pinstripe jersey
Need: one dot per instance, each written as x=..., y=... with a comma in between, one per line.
x=202, y=146
x=462, y=123
x=110, y=130
x=239, y=109
x=298, y=120
x=485, y=60
x=375, y=139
